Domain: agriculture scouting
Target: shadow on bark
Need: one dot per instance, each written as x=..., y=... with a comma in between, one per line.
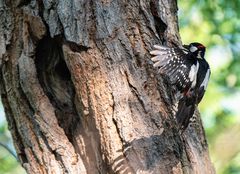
x=148, y=154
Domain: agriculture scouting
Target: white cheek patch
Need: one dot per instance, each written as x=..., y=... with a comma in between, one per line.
x=199, y=55
x=193, y=49
x=205, y=81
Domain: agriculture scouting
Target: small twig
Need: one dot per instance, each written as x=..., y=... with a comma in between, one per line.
x=9, y=150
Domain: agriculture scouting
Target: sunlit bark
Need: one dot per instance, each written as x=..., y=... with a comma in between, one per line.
x=81, y=95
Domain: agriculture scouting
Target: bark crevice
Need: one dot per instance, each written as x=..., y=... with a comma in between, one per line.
x=80, y=91
x=159, y=23
x=55, y=79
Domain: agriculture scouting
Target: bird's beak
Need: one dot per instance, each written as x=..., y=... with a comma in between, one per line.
x=186, y=46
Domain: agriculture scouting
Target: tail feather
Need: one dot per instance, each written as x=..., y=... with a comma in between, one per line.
x=184, y=112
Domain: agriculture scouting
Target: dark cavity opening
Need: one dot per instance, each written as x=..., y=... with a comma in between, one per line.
x=55, y=79
x=159, y=24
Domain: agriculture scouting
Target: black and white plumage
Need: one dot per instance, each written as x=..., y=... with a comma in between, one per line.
x=188, y=71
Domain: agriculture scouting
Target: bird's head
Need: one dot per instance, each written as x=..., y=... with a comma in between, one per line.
x=197, y=49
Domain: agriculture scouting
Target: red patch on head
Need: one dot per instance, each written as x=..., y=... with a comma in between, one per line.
x=201, y=46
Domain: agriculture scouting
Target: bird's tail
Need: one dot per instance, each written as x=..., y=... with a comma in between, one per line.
x=184, y=112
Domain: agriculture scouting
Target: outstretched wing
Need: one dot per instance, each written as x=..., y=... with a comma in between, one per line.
x=173, y=62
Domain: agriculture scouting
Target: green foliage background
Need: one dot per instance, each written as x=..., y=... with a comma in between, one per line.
x=8, y=164
x=216, y=24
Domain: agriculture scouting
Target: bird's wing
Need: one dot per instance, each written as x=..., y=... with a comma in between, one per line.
x=173, y=62
x=203, y=85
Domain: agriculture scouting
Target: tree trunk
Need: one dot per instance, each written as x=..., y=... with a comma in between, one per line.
x=81, y=95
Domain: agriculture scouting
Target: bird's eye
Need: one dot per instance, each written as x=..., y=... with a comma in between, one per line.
x=193, y=48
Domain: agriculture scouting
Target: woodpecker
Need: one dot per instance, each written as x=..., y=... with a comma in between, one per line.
x=188, y=71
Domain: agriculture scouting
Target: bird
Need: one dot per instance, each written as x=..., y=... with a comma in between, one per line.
x=189, y=73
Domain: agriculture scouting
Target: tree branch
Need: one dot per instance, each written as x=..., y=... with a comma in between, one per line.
x=9, y=150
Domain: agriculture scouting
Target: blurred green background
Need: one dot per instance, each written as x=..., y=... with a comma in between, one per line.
x=8, y=163
x=215, y=24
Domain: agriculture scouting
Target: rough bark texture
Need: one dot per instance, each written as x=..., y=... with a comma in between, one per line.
x=81, y=95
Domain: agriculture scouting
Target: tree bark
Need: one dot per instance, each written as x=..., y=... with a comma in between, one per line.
x=81, y=95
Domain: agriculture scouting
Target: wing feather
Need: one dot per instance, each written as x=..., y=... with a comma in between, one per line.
x=203, y=86
x=174, y=63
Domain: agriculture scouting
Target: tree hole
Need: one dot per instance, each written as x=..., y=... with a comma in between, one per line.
x=55, y=79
